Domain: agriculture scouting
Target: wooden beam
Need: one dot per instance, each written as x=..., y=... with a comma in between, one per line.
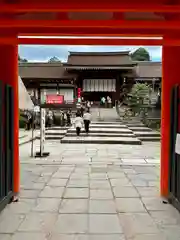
x=89, y=32
x=8, y=41
x=101, y=24
x=89, y=41
x=84, y=6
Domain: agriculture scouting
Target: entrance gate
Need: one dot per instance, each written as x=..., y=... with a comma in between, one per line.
x=6, y=148
x=174, y=158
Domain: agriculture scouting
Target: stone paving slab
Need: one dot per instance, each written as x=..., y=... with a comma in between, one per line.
x=90, y=200
x=102, y=140
x=26, y=136
x=107, y=200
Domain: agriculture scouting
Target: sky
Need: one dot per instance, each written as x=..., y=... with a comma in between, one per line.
x=42, y=53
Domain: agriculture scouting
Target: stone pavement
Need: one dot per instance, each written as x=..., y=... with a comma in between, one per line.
x=90, y=192
x=26, y=136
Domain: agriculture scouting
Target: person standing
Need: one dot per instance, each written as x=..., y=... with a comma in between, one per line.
x=68, y=115
x=109, y=101
x=29, y=121
x=87, y=120
x=88, y=105
x=82, y=109
x=103, y=101
x=78, y=123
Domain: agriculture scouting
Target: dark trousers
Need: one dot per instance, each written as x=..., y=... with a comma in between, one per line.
x=78, y=130
x=86, y=125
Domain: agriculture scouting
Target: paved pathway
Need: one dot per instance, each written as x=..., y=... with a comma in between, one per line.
x=90, y=192
x=26, y=136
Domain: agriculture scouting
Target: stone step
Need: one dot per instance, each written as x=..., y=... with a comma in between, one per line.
x=102, y=134
x=101, y=120
x=101, y=140
x=97, y=125
x=105, y=123
x=104, y=130
x=63, y=132
x=140, y=129
x=52, y=137
x=147, y=134
x=150, y=139
x=57, y=128
x=136, y=125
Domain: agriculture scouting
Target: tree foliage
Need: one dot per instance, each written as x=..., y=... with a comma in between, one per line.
x=141, y=54
x=22, y=60
x=54, y=59
x=138, y=100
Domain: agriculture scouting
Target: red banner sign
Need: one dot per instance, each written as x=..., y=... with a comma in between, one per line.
x=79, y=92
x=59, y=99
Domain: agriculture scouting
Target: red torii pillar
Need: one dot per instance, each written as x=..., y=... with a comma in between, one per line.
x=9, y=75
x=170, y=77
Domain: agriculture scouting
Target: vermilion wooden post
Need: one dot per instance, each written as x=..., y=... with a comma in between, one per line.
x=170, y=77
x=9, y=75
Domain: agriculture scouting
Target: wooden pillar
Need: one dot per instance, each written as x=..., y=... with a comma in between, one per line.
x=118, y=85
x=170, y=77
x=9, y=75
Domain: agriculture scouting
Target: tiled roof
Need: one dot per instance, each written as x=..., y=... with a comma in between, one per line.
x=99, y=58
x=149, y=69
x=43, y=70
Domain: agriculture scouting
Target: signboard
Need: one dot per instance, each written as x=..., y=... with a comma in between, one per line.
x=58, y=99
x=42, y=133
x=79, y=92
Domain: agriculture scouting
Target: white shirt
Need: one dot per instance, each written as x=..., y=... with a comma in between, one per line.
x=103, y=100
x=87, y=116
x=78, y=122
x=109, y=100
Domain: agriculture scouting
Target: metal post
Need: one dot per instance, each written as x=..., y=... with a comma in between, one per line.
x=42, y=135
x=32, y=142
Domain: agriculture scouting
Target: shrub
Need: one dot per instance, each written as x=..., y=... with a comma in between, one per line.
x=22, y=122
x=139, y=98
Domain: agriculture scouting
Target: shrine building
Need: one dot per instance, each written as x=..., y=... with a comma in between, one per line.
x=97, y=74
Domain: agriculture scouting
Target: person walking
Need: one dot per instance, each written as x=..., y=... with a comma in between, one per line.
x=78, y=123
x=87, y=120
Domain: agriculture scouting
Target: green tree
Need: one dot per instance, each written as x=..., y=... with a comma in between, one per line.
x=139, y=98
x=141, y=54
x=54, y=59
x=22, y=60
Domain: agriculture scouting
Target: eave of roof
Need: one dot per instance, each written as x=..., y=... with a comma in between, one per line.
x=99, y=67
x=99, y=53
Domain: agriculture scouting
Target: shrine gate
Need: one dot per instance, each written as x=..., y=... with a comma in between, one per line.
x=115, y=22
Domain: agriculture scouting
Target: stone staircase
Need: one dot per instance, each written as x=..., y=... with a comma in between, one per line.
x=103, y=133
x=55, y=133
x=144, y=133
x=105, y=128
